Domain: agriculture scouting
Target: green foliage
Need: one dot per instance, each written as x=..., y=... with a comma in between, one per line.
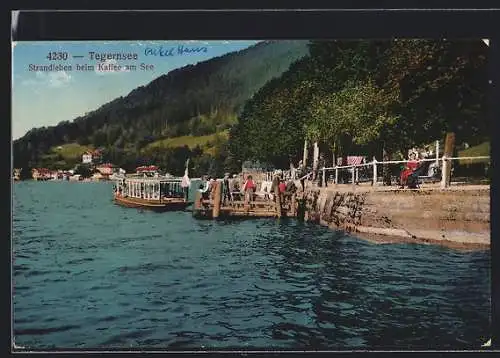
x=362, y=96
x=84, y=170
x=479, y=150
x=272, y=122
x=189, y=140
x=70, y=151
x=360, y=111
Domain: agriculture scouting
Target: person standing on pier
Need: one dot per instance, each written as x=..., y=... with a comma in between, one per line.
x=211, y=187
x=186, y=182
x=249, y=188
x=282, y=186
x=275, y=183
x=226, y=189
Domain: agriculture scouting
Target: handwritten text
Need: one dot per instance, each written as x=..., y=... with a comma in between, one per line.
x=173, y=51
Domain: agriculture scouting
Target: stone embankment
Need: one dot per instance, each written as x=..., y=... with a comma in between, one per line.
x=455, y=217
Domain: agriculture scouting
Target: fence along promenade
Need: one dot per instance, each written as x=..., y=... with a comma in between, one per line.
x=445, y=166
x=354, y=169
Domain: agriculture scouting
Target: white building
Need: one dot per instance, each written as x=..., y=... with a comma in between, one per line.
x=87, y=158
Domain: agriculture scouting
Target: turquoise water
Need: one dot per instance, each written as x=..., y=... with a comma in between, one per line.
x=90, y=274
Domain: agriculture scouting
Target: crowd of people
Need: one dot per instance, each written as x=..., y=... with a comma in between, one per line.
x=234, y=188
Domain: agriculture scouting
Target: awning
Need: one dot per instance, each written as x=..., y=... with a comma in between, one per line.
x=355, y=160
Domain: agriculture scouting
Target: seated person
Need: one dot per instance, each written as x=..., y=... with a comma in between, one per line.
x=411, y=166
x=433, y=170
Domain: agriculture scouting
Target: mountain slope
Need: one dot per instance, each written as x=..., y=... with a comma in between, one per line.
x=193, y=100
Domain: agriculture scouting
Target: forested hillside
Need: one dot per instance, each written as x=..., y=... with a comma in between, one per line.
x=196, y=100
x=360, y=97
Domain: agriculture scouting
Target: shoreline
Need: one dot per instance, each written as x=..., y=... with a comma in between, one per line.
x=399, y=236
x=459, y=246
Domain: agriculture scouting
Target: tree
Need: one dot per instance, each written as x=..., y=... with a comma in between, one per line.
x=84, y=170
x=360, y=112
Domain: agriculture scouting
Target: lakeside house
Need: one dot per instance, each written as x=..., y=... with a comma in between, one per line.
x=87, y=158
x=147, y=170
x=41, y=174
x=105, y=169
x=16, y=175
x=92, y=157
x=103, y=172
x=100, y=172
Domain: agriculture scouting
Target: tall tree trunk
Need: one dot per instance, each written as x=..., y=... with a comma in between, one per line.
x=334, y=159
x=386, y=169
x=315, y=160
x=304, y=158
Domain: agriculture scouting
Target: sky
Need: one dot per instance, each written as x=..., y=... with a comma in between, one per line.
x=45, y=98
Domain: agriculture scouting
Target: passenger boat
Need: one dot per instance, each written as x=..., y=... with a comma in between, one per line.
x=148, y=190
x=153, y=193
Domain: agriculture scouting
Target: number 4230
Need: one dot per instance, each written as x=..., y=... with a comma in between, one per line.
x=57, y=56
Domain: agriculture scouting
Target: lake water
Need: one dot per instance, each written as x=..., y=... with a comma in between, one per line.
x=90, y=274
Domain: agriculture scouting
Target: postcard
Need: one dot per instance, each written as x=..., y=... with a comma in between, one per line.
x=253, y=195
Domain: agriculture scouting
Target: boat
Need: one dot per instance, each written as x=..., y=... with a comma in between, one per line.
x=149, y=190
x=154, y=193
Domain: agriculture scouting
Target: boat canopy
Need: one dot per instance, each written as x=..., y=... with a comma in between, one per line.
x=151, y=188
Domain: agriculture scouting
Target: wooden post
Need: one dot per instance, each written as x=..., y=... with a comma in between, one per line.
x=304, y=158
x=324, y=177
x=444, y=170
x=161, y=196
x=353, y=175
x=357, y=175
x=336, y=175
x=197, y=200
x=293, y=209
x=334, y=160
x=449, y=145
x=374, y=182
x=217, y=199
x=277, y=194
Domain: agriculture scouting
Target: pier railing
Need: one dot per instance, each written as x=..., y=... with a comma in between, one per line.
x=369, y=172
x=287, y=175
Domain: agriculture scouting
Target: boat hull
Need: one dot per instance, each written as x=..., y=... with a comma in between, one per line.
x=154, y=205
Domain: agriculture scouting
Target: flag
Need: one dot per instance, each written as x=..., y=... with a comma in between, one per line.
x=186, y=182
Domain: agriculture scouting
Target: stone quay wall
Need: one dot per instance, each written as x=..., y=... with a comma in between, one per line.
x=455, y=218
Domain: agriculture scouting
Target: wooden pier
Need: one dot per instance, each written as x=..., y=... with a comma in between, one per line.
x=283, y=205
